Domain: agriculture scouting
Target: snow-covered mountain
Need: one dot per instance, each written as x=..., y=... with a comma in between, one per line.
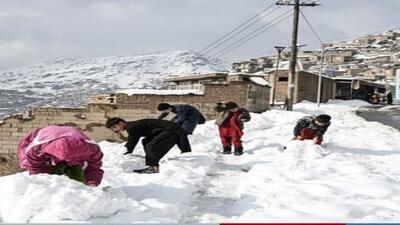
x=68, y=82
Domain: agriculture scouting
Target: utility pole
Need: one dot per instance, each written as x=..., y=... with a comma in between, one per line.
x=293, y=52
x=274, y=77
x=320, y=75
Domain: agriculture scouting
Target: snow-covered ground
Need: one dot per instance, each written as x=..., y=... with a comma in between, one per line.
x=353, y=177
x=68, y=82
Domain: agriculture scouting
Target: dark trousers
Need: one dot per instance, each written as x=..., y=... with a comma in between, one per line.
x=73, y=172
x=158, y=146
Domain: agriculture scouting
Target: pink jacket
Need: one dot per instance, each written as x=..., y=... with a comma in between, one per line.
x=44, y=147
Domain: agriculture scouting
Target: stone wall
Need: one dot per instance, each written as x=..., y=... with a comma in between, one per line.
x=92, y=118
x=235, y=91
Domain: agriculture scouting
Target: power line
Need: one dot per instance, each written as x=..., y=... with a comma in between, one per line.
x=319, y=89
x=311, y=27
x=363, y=28
x=238, y=27
x=354, y=35
x=293, y=53
x=240, y=31
x=243, y=40
x=253, y=34
x=364, y=32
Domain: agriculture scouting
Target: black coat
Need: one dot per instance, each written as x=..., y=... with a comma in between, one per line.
x=151, y=128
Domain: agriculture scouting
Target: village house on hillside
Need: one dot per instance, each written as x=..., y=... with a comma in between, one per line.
x=371, y=58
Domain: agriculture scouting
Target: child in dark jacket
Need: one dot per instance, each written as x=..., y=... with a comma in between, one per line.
x=187, y=116
x=312, y=127
x=230, y=121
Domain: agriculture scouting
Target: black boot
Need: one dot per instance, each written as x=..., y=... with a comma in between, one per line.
x=238, y=150
x=148, y=170
x=227, y=150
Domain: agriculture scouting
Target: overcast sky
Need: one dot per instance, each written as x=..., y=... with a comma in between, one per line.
x=36, y=30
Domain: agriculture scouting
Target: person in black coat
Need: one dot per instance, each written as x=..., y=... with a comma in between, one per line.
x=389, y=98
x=187, y=116
x=159, y=137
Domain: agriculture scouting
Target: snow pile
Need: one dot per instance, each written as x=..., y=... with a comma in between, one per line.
x=54, y=198
x=353, y=177
x=389, y=108
x=259, y=80
x=69, y=82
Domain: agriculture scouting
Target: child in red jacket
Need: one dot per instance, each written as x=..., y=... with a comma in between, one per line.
x=230, y=121
x=312, y=127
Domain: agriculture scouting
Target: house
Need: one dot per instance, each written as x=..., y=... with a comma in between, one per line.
x=195, y=81
x=305, y=86
x=253, y=89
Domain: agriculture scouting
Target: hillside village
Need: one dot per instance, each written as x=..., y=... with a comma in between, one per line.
x=373, y=57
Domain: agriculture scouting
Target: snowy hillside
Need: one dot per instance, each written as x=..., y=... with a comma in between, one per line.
x=354, y=177
x=69, y=82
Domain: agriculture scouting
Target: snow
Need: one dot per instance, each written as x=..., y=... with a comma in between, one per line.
x=69, y=82
x=353, y=177
x=55, y=198
x=259, y=81
x=160, y=92
x=389, y=108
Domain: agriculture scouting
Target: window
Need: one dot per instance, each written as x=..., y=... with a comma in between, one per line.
x=283, y=79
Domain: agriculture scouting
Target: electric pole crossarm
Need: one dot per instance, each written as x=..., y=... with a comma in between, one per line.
x=312, y=4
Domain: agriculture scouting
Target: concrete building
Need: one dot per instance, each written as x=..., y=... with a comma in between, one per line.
x=305, y=86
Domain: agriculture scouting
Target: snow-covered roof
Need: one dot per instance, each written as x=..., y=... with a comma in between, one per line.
x=377, y=56
x=362, y=80
x=345, y=78
x=196, y=76
x=246, y=74
x=259, y=81
x=159, y=92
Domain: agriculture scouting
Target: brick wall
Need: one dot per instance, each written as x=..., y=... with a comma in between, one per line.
x=235, y=91
x=12, y=129
x=92, y=118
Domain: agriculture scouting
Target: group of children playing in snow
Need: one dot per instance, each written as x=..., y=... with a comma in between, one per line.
x=67, y=150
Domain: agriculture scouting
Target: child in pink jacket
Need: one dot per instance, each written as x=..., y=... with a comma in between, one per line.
x=61, y=150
